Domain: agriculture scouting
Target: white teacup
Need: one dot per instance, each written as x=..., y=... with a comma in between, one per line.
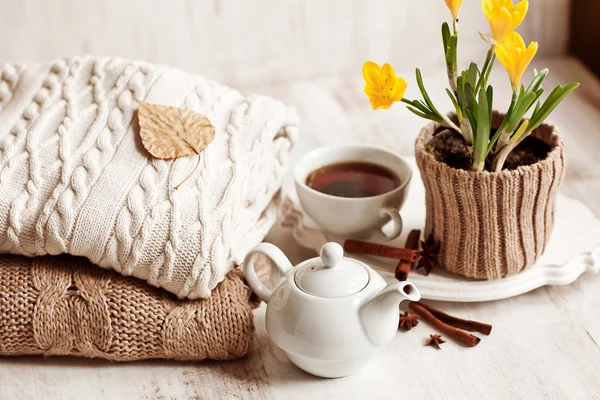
x=353, y=216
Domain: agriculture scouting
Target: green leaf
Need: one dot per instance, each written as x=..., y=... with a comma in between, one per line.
x=424, y=93
x=423, y=115
x=537, y=107
x=445, y=35
x=546, y=104
x=472, y=120
x=465, y=76
x=522, y=91
x=523, y=105
x=456, y=106
x=539, y=92
x=460, y=92
x=537, y=81
x=483, y=127
x=450, y=44
x=470, y=97
x=506, y=120
x=555, y=98
x=451, y=54
x=515, y=138
x=490, y=99
x=419, y=105
x=473, y=74
x=554, y=94
x=537, y=96
x=488, y=71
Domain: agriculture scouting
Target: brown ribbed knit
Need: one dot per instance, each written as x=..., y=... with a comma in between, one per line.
x=66, y=306
x=491, y=225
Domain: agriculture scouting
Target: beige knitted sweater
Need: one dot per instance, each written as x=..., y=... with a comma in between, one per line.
x=74, y=177
x=66, y=306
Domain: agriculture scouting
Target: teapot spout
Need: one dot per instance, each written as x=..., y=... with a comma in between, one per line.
x=380, y=316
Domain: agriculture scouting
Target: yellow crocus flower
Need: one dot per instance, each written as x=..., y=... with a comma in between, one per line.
x=454, y=6
x=503, y=17
x=382, y=85
x=515, y=57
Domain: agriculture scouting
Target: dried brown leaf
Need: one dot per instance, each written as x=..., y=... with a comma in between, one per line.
x=170, y=132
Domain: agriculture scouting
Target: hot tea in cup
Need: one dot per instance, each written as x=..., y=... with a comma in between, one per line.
x=353, y=179
x=352, y=191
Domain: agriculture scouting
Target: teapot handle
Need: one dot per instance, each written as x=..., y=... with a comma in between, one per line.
x=279, y=259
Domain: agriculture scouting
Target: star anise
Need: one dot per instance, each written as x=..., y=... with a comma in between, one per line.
x=408, y=321
x=435, y=341
x=429, y=255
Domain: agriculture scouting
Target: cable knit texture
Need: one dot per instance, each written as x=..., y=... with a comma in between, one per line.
x=66, y=306
x=491, y=225
x=75, y=178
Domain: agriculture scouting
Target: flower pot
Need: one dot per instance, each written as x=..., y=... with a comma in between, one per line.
x=491, y=224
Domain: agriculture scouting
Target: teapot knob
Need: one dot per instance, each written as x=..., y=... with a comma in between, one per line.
x=331, y=254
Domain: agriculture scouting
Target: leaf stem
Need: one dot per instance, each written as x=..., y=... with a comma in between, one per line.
x=478, y=166
x=501, y=157
x=518, y=137
x=467, y=130
x=449, y=124
x=452, y=69
x=452, y=75
x=487, y=66
x=190, y=174
x=504, y=137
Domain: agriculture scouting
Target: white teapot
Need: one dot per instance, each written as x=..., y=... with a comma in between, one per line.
x=329, y=314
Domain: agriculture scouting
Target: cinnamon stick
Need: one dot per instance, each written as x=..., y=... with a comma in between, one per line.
x=404, y=266
x=467, y=325
x=360, y=247
x=456, y=333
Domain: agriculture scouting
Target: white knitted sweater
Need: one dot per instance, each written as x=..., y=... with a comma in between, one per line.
x=75, y=178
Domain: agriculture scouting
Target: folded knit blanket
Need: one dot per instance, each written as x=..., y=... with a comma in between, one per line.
x=66, y=306
x=75, y=178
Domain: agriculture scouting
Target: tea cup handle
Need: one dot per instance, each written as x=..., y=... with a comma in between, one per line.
x=279, y=259
x=394, y=215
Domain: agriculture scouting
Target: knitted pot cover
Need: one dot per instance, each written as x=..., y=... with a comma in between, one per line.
x=75, y=178
x=64, y=305
x=491, y=225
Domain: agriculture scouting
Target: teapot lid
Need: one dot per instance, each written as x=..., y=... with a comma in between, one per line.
x=333, y=275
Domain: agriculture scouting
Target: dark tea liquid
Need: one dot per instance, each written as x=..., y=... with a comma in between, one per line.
x=353, y=179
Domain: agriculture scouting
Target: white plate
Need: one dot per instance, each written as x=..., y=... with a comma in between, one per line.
x=574, y=248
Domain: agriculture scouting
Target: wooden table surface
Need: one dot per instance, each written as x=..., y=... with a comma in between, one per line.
x=545, y=344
